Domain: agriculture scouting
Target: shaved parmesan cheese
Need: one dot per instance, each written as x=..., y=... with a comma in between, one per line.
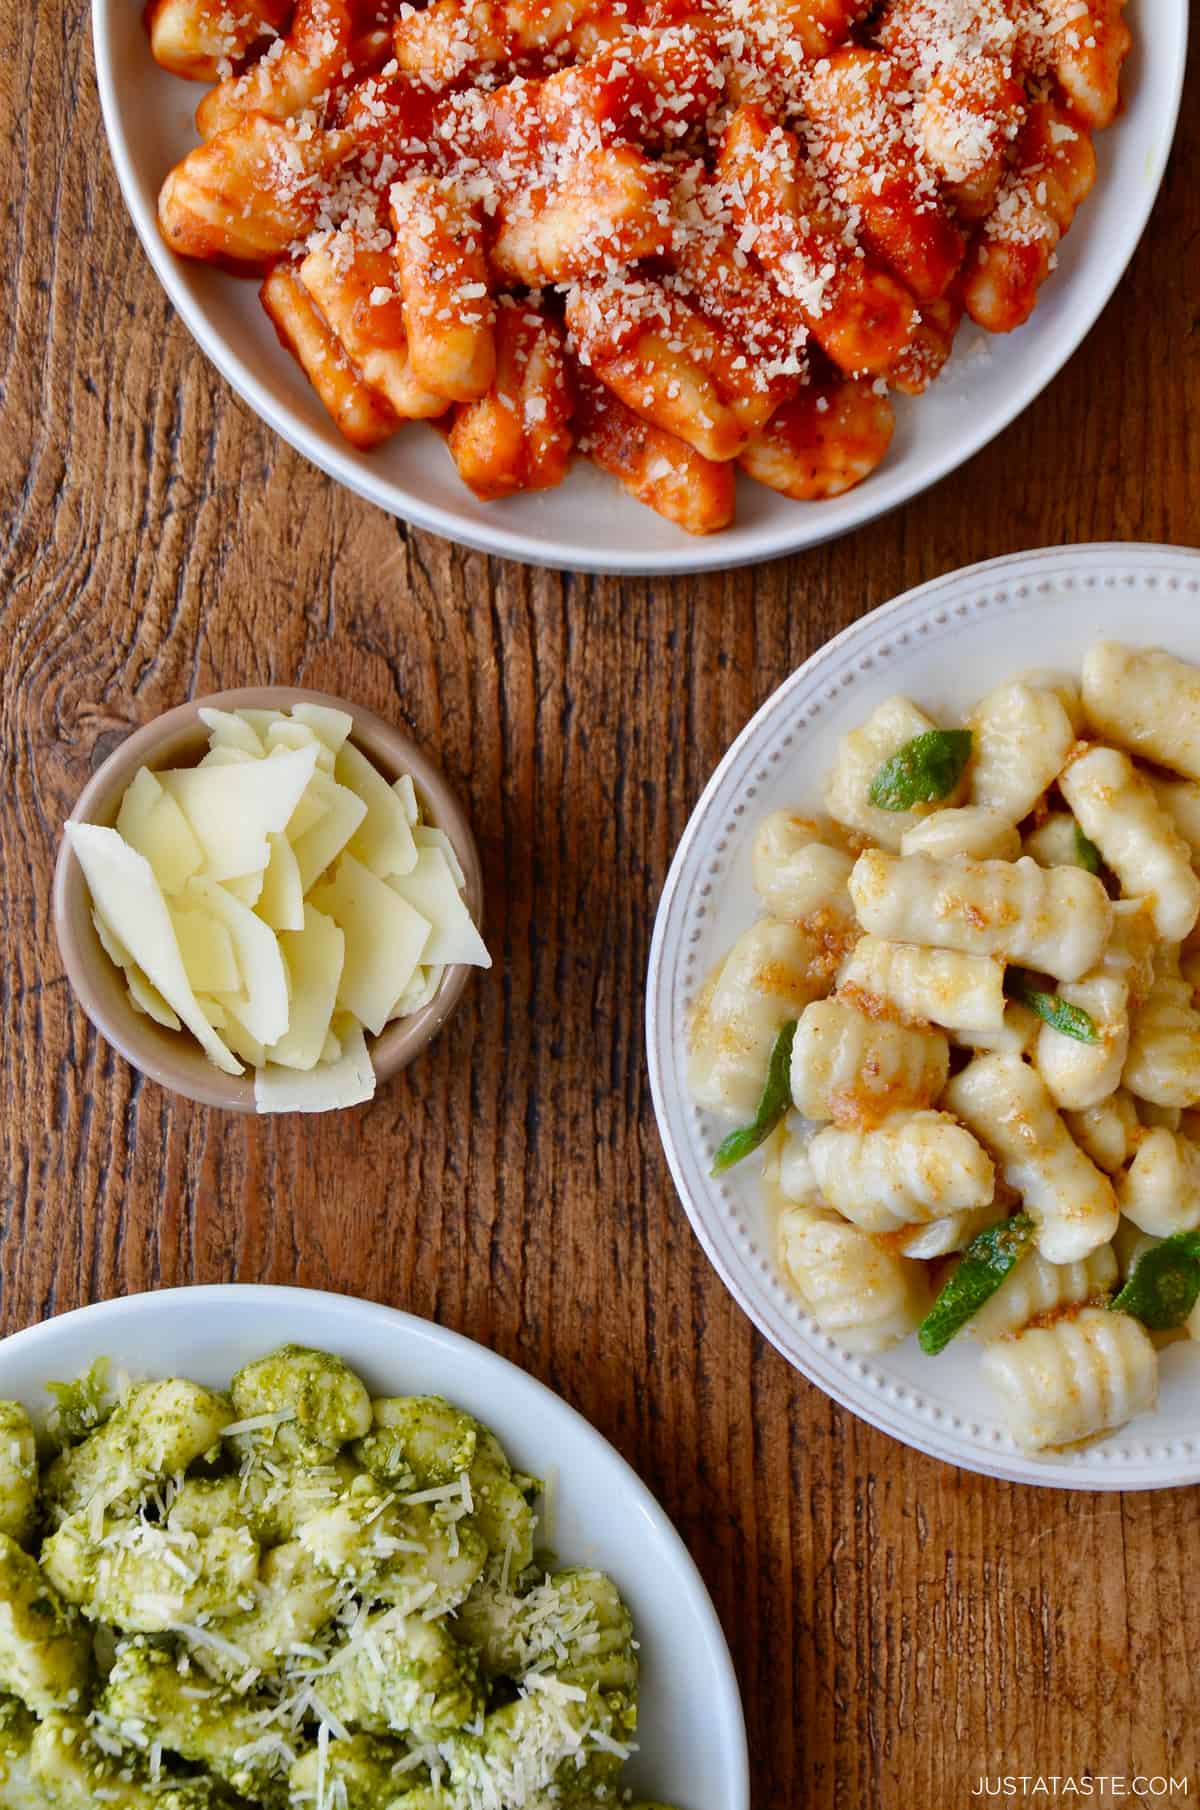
x=314, y=955
x=264, y=1010
x=430, y=889
x=310, y=810
x=420, y=990
x=284, y=734
x=346, y=1082
x=320, y=846
x=207, y=950
x=238, y=1037
x=232, y=811
x=307, y=901
x=110, y=942
x=152, y=823
x=406, y=792
x=126, y=894
x=226, y=756
x=259, y=720
x=281, y=901
x=426, y=835
x=246, y=888
x=144, y=997
x=385, y=938
x=383, y=840
x=328, y=725
x=229, y=730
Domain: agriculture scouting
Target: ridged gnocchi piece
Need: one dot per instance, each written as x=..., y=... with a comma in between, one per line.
x=966, y=829
x=394, y=1553
x=941, y=986
x=518, y=436
x=1054, y=842
x=352, y=280
x=1163, y=1065
x=1020, y=738
x=857, y=1070
x=859, y=314
x=1053, y=170
x=426, y=1686
x=800, y=869
x=942, y=1237
x=914, y=1167
x=1180, y=799
x=291, y=1601
x=45, y=1653
x=860, y=754
x=1117, y=809
x=1036, y=1289
x=666, y=361
x=1009, y=1108
x=445, y=286
x=1015, y=1035
x=247, y=196
x=1081, y=1074
x=312, y=1404
x=821, y=442
x=601, y=208
x=157, y=1430
x=656, y=467
x=1146, y=701
x=901, y=216
x=1056, y=920
x=1107, y=1132
x=1073, y=1380
x=770, y=975
x=207, y=1725
x=857, y=1291
x=297, y=70
x=145, y=1579
x=361, y=414
x=18, y=1473
x=964, y=122
x=1128, y=954
x=1089, y=41
x=1160, y=1191
x=198, y=38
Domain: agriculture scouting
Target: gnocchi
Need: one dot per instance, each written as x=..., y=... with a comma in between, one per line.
x=294, y=1595
x=1004, y=1062
x=714, y=290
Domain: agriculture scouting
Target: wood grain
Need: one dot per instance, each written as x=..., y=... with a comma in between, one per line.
x=900, y=1629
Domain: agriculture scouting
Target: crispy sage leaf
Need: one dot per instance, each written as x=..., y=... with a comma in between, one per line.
x=1072, y=1021
x=983, y=1266
x=776, y=1098
x=922, y=771
x=1165, y=1284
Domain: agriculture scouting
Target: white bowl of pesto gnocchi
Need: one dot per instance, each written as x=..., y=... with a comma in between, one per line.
x=922, y=1018
x=379, y=1570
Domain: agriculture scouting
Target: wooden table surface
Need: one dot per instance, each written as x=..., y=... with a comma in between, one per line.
x=899, y=1629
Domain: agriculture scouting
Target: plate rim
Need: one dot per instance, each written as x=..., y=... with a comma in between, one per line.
x=1094, y=290
x=362, y=1308
x=1137, y=1474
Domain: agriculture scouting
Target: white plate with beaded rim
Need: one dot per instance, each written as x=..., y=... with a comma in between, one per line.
x=692, y=1737
x=590, y=524
x=942, y=645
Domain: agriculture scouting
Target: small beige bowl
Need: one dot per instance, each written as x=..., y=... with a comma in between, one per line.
x=179, y=738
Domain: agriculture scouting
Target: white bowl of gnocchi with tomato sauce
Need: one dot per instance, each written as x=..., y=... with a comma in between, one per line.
x=923, y=1024
x=680, y=287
